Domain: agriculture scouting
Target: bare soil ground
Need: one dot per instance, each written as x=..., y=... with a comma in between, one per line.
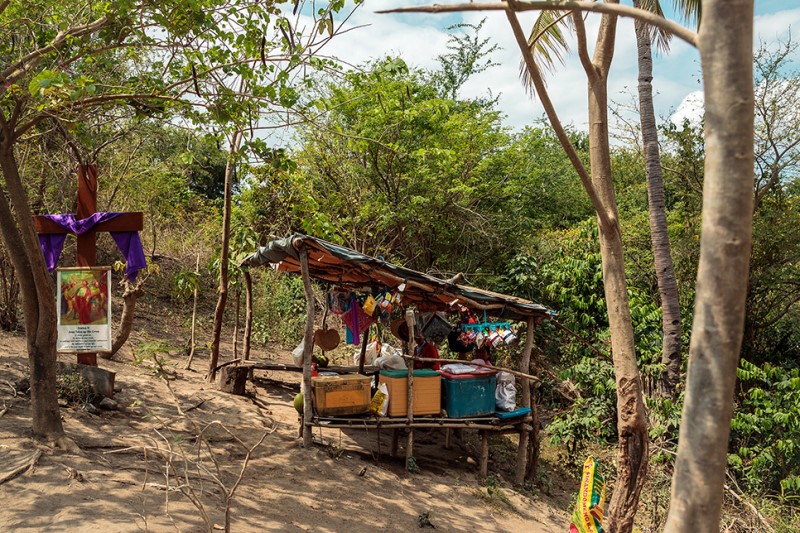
x=118, y=482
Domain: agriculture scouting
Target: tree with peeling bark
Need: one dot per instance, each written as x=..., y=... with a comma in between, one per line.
x=59, y=64
x=725, y=44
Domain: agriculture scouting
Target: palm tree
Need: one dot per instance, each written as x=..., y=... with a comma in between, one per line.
x=646, y=35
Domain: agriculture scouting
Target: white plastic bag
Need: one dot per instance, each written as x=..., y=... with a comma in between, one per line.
x=505, y=394
x=390, y=362
x=297, y=353
x=372, y=353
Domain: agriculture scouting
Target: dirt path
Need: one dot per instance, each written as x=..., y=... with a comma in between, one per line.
x=339, y=485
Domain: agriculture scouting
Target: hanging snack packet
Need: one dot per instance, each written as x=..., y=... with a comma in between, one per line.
x=588, y=515
x=380, y=401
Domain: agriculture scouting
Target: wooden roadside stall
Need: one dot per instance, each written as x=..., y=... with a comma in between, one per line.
x=348, y=270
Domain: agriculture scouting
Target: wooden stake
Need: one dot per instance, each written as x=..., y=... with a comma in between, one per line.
x=308, y=348
x=194, y=315
x=364, y=343
x=395, y=435
x=411, y=322
x=484, y=468
x=524, y=366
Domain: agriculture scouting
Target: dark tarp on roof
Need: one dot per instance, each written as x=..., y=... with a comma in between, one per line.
x=349, y=269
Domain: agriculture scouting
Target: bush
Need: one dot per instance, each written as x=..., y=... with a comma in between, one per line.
x=765, y=435
x=73, y=388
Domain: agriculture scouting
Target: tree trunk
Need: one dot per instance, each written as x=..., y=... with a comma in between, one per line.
x=665, y=272
x=631, y=416
x=130, y=294
x=632, y=457
x=36, y=289
x=219, y=311
x=725, y=43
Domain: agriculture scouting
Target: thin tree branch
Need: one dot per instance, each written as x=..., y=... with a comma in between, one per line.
x=583, y=49
x=611, y=9
x=541, y=90
x=14, y=72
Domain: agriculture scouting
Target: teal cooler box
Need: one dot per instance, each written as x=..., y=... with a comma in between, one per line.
x=466, y=395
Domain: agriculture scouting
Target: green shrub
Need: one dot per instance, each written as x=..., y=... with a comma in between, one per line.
x=765, y=438
x=73, y=388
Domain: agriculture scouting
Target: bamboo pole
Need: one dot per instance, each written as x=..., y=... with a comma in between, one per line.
x=308, y=347
x=465, y=362
x=411, y=322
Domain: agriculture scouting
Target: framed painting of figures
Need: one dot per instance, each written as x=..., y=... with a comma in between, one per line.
x=84, y=309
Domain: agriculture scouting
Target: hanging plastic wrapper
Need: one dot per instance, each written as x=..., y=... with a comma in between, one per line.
x=588, y=515
x=380, y=401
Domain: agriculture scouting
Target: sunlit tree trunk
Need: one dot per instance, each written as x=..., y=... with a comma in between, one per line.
x=37, y=291
x=725, y=43
x=219, y=311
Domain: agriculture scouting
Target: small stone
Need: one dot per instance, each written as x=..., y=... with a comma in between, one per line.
x=108, y=404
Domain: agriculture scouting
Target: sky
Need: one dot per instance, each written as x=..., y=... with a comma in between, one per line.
x=420, y=37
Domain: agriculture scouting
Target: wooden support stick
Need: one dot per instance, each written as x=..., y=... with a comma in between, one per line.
x=395, y=435
x=465, y=362
x=448, y=438
x=524, y=366
x=308, y=347
x=419, y=425
x=522, y=457
x=411, y=322
x=364, y=343
x=484, y=468
x=533, y=454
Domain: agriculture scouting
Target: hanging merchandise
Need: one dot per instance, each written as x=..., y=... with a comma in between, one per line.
x=356, y=322
x=370, y=305
x=436, y=328
x=338, y=302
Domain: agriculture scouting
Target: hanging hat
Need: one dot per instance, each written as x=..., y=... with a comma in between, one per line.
x=399, y=329
x=327, y=339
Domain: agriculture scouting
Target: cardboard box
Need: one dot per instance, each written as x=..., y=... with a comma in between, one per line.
x=427, y=391
x=348, y=394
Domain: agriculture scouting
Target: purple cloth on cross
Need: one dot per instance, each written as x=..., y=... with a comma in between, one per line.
x=128, y=242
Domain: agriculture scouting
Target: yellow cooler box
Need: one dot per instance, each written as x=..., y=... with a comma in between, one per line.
x=427, y=391
x=341, y=395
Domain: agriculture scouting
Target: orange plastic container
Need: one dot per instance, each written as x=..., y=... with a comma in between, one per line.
x=427, y=391
x=341, y=395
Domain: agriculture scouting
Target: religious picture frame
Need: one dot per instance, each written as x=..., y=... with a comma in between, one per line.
x=83, y=306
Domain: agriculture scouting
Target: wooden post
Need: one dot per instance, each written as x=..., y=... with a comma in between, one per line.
x=484, y=467
x=192, y=340
x=524, y=366
x=364, y=343
x=308, y=349
x=533, y=444
x=395, y=436
x=411, y=322
x=448, y=438
x=248, y=317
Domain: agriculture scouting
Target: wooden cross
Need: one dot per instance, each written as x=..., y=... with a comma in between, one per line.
x=87, y=243
x=87, y=206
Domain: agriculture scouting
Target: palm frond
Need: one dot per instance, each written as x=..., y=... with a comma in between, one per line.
x=547, y=43
x=689, y=11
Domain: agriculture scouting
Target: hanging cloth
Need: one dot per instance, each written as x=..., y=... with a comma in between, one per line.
x=128, y=242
